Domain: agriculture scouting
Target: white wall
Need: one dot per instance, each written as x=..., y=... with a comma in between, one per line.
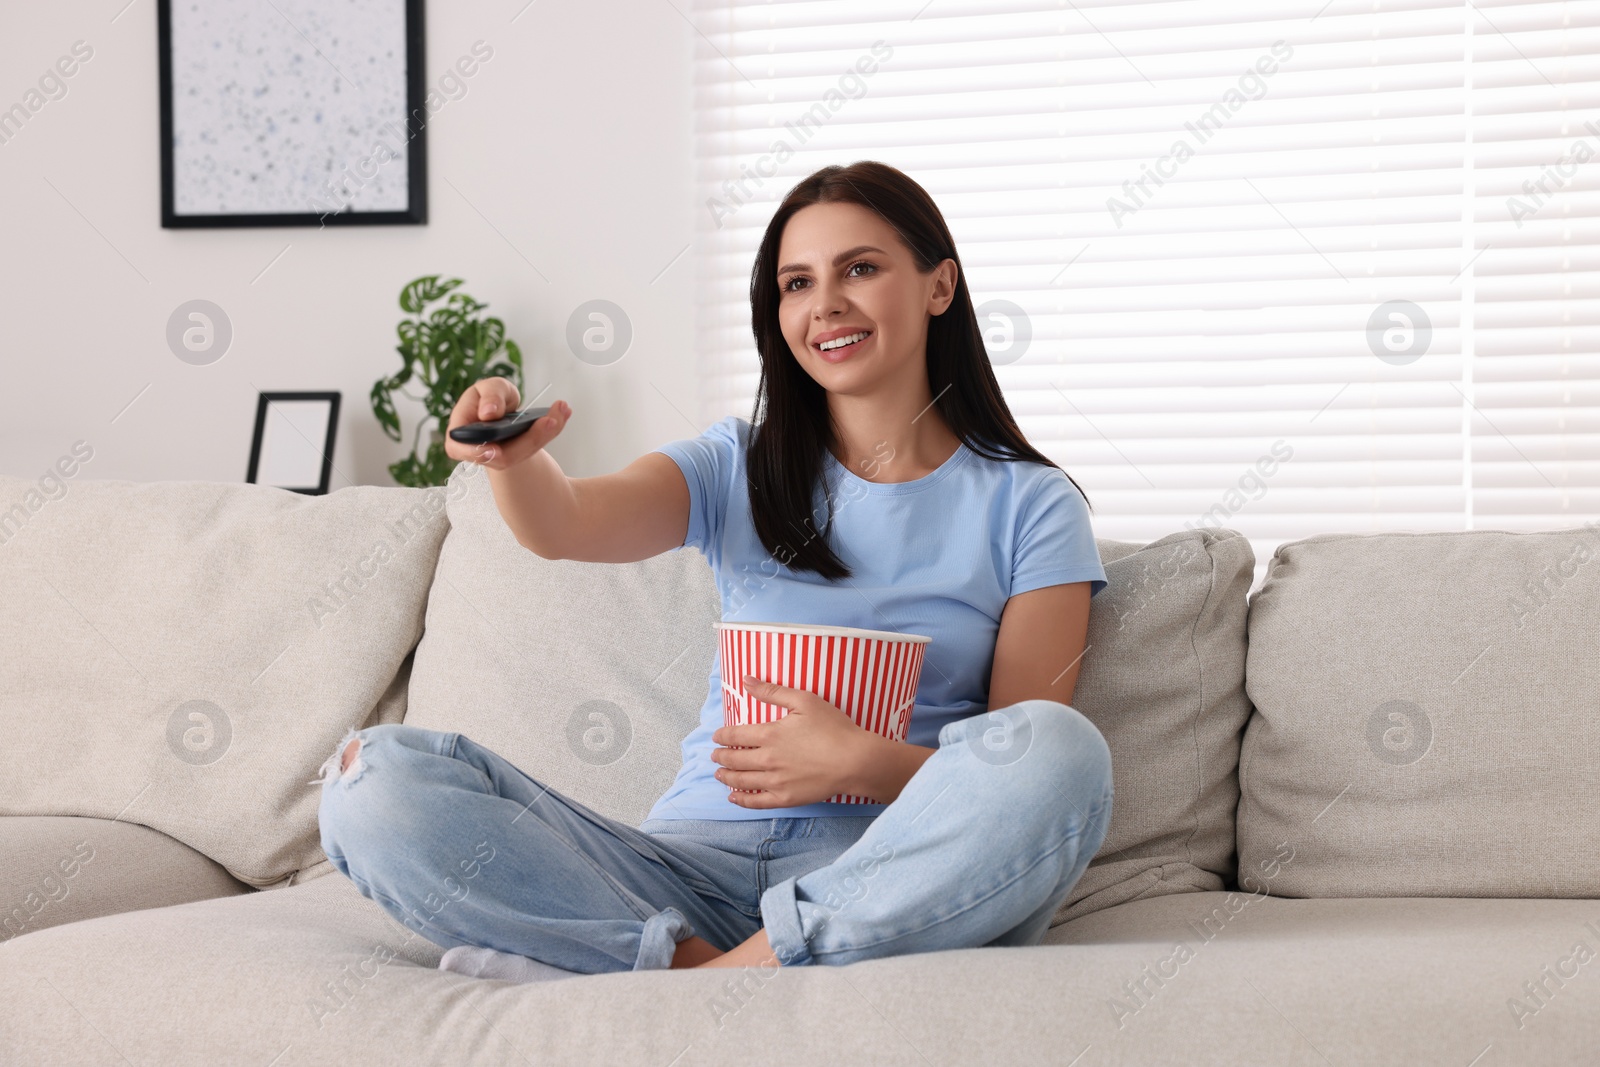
x=573, y=140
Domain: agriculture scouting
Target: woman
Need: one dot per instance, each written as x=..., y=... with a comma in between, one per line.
x=886, y=486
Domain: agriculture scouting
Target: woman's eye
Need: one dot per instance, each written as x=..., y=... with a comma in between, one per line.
x=788, y=286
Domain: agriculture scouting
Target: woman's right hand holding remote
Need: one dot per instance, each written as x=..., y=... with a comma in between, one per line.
x=491, y=399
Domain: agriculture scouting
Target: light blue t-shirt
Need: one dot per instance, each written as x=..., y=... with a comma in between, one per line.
x=939, y=556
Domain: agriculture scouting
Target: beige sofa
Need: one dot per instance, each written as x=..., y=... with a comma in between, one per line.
x=1355, y=819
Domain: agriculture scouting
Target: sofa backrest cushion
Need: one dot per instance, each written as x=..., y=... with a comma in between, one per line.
x=588, y=676
x=1163, y=679
x=185, y=654
x=1425, y=708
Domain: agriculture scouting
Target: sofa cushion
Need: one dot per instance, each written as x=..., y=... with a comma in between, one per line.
x=184, y=655
x=1252, y=978
x=60, y=869
x=1425, y=709
x=588, y=676
x=1163, y=679
x=318, y=974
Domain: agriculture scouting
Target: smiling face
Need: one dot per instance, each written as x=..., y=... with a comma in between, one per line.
x=843, y=272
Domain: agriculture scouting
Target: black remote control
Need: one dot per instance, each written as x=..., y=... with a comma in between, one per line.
x=478, y=433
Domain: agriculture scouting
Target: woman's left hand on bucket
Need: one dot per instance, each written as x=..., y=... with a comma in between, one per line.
x=805, y=757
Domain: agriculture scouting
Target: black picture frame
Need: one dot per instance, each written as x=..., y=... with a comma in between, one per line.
x=263, y=402
x=415, y=129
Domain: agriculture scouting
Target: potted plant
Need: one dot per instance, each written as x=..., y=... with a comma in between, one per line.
x=445, y=351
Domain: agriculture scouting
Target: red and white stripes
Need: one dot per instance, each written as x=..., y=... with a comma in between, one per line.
x=873, y=680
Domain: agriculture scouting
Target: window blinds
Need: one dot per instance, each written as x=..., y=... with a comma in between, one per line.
x=1284, y=272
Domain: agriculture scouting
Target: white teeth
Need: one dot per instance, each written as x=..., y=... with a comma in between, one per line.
x=840, y=342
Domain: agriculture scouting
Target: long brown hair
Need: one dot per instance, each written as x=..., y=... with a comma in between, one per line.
x=786, y=454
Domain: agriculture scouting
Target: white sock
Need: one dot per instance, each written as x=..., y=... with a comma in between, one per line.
x=475, y=961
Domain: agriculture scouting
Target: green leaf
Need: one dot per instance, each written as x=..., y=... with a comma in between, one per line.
x=404, y=471
x=383, y=407
x=507, y=371
x=436, y=469
x=406, y=330
x=446, y=351
x=411, y=297
x=423, y=354
x=447, y=320
x=425, y=290
x=492, y=335
x=466, y=304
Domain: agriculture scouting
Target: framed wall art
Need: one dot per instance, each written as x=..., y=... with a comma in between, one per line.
x=292, y=113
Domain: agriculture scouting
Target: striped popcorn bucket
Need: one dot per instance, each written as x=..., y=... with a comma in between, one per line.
x=870, y=675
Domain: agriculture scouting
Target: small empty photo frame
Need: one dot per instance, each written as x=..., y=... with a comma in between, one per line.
x=293, y=444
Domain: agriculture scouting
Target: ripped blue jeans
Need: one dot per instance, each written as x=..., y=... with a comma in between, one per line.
x=980, y=848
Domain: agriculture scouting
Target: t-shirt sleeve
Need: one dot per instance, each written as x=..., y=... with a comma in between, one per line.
x=708, y=463
x=1055, y=543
